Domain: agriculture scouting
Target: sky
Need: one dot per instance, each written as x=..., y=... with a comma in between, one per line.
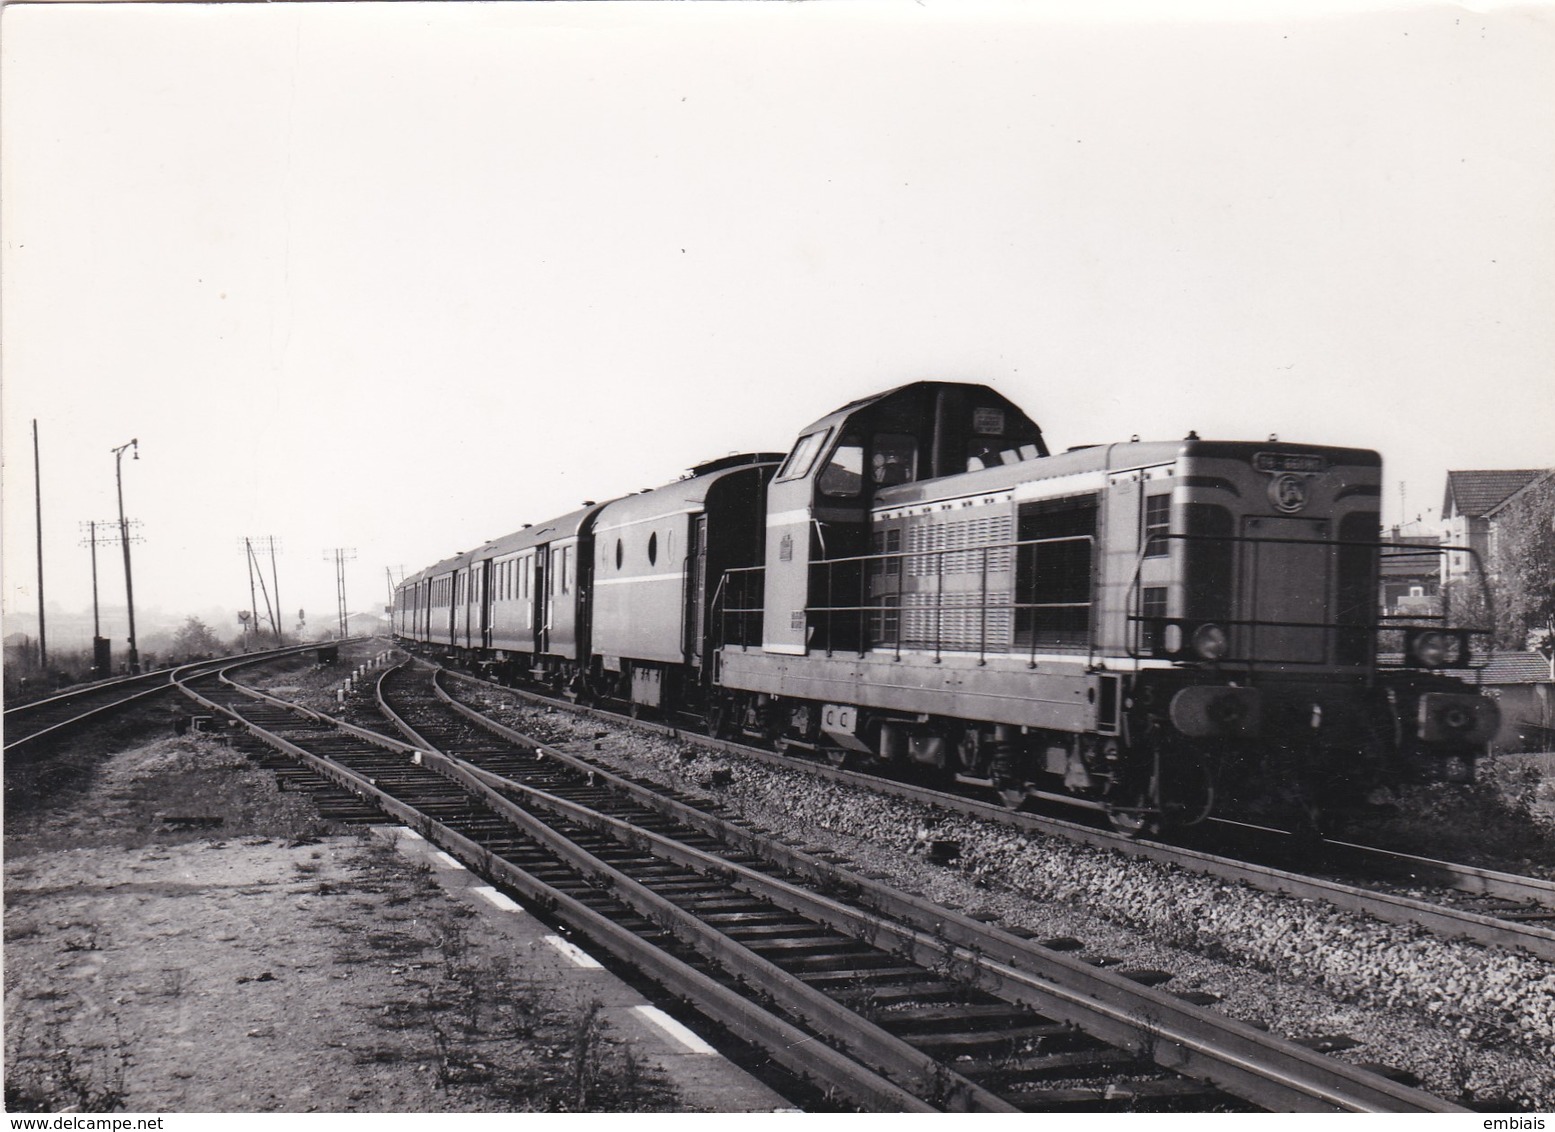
x=401, y=278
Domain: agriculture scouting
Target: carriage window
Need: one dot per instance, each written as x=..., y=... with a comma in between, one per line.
x=844, y=472
x=1158, y=510
x=803, y=455
x=895, y=459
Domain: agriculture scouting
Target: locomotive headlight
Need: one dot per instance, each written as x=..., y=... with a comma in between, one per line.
x=1210, y=642
x=1431, y=649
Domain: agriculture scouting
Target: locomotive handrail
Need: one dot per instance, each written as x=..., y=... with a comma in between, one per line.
x=982, y=607
x=1373, y=625
x=880, y=603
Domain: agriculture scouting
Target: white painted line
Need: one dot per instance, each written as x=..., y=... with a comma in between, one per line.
x=501, y=900
x=451, y=862
x=577, y=955
x=410, y=835
x=674, y=1029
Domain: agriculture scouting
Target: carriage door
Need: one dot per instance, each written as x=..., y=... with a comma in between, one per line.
x=485, y=596
x=696, y=591
x=543, y=599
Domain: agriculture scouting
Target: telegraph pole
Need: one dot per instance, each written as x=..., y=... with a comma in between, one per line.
x=124, y=538
x=343, y=554
x=102, y=663
x=275, y=582
x=273, y=612
x=37, y=479
x=253, y=606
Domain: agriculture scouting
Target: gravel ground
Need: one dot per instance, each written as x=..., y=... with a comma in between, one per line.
x=182, y=935
x=1473, y=1024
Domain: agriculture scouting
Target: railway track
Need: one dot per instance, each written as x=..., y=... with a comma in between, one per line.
x=873, y=994
x=1486, y=907
x=31, y=727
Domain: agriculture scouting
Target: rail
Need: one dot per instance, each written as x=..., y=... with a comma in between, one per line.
x=1438, y=919
x=31, y=723
x=1180, y=1036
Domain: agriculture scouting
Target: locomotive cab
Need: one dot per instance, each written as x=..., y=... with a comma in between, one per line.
x=820, y=501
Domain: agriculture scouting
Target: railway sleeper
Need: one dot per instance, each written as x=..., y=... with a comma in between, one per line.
x=835, y=961
x=1035, y=1037
x=831, y=976
x=924, y=1019
x=1011, y=1073
x=1178, y=1090
x=886, y=995
x=800, y=945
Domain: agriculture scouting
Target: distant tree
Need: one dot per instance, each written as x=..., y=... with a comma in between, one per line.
x=196, y=639
x=1523, y=568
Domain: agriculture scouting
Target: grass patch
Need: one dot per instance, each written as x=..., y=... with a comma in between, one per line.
x=45, y=1073
x=1502, y=820
x=168, y=791
x=493, y=1039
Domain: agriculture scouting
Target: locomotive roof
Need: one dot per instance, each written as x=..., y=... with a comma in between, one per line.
x=989, y=392
x=1116, y=457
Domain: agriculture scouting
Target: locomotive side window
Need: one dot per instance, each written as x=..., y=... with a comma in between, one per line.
x=1153, y=605
x=803, y=456
x=844, y=472
x=895, y=459
x=1053, y=572
x=1158, y=510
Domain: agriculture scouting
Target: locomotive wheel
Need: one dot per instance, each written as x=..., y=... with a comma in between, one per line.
x=1133, y=805
x=1191, y=796
x=1135, y=818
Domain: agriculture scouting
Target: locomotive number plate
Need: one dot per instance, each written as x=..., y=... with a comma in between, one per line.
x=1290, y=462
x=988, y=422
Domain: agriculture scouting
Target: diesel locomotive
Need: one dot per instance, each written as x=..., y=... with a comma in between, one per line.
x=1154, y=630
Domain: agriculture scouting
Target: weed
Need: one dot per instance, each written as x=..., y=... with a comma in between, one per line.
x=54, y=1076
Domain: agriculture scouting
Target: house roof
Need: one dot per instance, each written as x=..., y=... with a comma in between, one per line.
x=1530, y=485
x=1516, y=668
x=1472, y=493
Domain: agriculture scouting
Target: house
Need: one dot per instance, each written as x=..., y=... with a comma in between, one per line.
x=1469, y=505
x=1523, y=684
x=1411, y=580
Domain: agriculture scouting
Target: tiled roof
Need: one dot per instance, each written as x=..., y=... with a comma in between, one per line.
x=1412, y=565
x=1473, y=493
x=1397, y=562
x=1516, y=668
x=1529, y=486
